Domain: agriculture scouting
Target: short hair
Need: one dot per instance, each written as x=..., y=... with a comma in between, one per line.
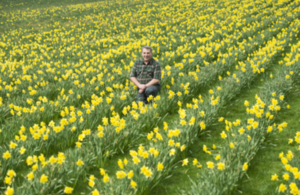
x=147, y=47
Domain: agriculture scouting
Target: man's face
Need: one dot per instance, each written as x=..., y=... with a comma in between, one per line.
x=147, y=54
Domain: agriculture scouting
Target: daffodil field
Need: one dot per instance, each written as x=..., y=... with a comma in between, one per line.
x=69, y=120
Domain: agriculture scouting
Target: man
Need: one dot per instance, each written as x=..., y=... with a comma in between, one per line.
x=146, y=75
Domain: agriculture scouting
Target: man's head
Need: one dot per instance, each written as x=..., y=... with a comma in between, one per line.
x=146, y=53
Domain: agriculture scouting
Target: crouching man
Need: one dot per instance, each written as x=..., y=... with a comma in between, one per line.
x=146, y=75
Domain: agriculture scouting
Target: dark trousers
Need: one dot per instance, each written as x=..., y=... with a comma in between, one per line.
x=151, y=90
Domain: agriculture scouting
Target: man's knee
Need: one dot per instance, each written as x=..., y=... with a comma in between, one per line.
x=141, y=98
x=152, y=90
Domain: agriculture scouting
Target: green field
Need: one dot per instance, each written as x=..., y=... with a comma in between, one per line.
x=225, y=121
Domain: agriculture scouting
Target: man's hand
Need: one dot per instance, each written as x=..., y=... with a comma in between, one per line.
x=142, y=88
